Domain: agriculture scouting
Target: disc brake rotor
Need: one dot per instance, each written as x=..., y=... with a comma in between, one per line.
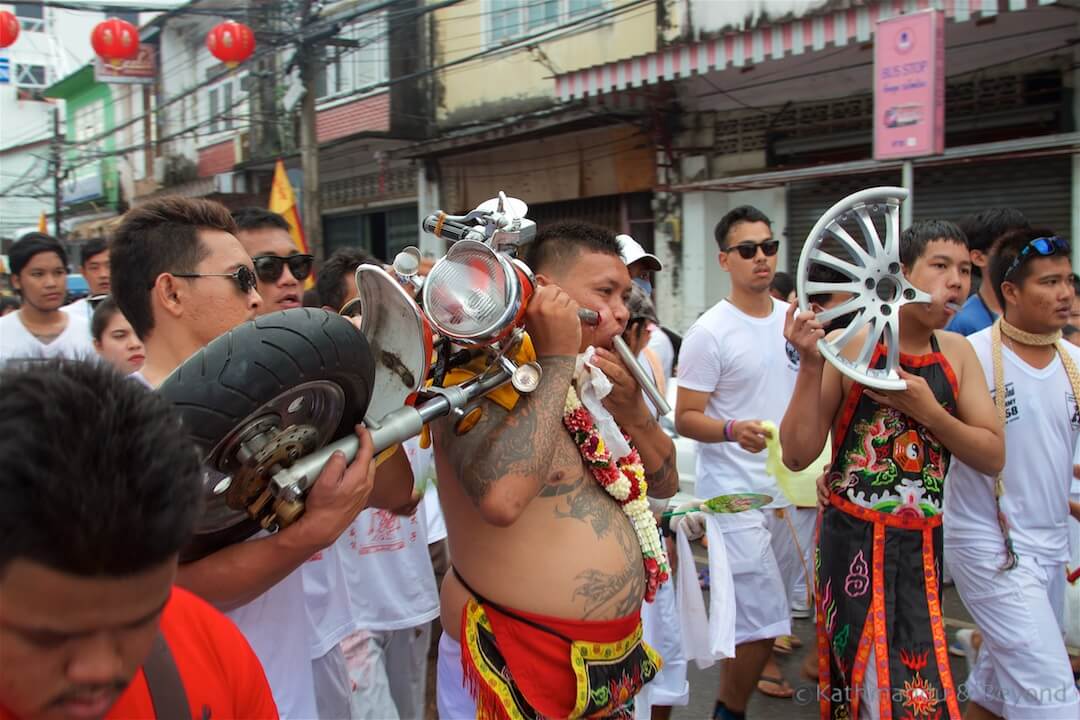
x=287, y=427
x=873, y=280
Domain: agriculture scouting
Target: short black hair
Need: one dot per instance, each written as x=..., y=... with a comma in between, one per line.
x=743, y=213
x=103, y=315
x=782, y=283
x=1069, y=330
x=77, y=504
x=1005, y=251
x=560, y=242
x=825, y=274
x=986, y=226
x=257, y=218
x=914, y=240
x=92, y=247
x=157, y=237
x=31, y=244
x=9, y=301
x=343, y=263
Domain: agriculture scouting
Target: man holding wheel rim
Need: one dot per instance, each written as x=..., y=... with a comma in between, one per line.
x=182, y=278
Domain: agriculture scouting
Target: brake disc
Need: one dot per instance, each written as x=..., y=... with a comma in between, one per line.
x=873, y=279
x=291, y=425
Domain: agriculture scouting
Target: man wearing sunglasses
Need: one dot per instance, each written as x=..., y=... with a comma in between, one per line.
x=1011, y=573
x=280, y=267
x=735, y=372
x=182, y=278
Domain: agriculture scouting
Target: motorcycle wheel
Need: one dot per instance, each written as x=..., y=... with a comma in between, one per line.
x=260, y=369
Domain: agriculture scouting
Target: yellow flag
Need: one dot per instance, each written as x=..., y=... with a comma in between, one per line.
x=283, y=202
x=42, y=223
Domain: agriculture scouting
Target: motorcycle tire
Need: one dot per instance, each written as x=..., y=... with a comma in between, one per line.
x=219, y=387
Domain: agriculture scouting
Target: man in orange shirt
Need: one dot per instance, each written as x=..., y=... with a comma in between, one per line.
x=101, y=488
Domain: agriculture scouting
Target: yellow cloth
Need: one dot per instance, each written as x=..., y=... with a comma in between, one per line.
x=506, y=396
x=800, y=487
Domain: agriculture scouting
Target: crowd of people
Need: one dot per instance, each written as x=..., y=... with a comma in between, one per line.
x=548, y=572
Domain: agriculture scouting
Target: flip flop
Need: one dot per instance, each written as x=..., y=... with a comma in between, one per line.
x=786, y=644
x=785, y=692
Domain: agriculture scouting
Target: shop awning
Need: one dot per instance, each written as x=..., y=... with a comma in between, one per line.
x=768, y=41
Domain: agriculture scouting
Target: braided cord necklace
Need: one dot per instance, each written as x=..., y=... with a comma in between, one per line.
x=1002, y=327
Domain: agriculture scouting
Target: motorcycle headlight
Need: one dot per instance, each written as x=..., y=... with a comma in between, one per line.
x=474, y=295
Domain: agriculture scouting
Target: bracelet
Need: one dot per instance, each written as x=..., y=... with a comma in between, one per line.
x=728, y=426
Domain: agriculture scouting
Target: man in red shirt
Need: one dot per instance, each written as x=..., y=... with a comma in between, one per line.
x=101, y=488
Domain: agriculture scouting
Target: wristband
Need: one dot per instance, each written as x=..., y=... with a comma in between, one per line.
x=728, y=427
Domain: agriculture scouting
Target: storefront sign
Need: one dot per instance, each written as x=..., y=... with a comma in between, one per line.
x=909, y=86
x=138, y=71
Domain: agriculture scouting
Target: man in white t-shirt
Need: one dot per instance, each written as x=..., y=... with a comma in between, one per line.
x=95, y=269
x=1012, y=581
x=182, y=279
x=394, y=599
x=38, y=329
x=735, y=372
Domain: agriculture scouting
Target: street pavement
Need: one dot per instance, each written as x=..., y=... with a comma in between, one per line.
x=704, y=683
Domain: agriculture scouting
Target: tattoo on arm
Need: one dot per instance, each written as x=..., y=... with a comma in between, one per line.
x=664, y=477
x=518, y=442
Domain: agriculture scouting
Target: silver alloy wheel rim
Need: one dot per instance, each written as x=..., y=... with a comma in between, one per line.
x=877, y=286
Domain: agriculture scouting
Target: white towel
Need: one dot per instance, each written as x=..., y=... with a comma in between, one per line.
x=592, y=387
x=706, y=637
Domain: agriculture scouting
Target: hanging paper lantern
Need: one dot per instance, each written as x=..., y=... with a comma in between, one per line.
x=115, y=40
x=9, y=28
x=231, y=42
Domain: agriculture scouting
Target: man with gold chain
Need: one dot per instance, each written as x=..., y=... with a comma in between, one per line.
x=1006, y=538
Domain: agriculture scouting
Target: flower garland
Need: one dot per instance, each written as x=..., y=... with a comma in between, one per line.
x=623, y=480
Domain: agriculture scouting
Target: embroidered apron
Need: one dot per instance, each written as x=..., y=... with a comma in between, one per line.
x=877, y=568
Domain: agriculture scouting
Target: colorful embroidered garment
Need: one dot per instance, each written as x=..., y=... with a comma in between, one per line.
x=879, y=540
x=535, y=670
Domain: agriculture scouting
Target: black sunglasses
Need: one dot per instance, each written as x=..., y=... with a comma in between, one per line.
x=1042, y=246
x=270, y=267
x=242, y=276
x=748, y=250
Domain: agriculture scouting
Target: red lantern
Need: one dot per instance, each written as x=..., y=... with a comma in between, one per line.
x=115, y=40
x=231, y=42
x=9, y=28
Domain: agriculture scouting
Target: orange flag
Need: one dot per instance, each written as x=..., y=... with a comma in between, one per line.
x=43, y=224
x=283, y=202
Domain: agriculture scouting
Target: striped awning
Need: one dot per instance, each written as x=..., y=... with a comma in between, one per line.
x=747, y=47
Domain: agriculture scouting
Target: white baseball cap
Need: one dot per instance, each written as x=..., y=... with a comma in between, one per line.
x=632, y=252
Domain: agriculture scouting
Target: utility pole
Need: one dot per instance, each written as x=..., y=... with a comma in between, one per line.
x=311, y=210
x=54, y=162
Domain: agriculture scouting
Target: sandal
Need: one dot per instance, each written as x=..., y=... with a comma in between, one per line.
x=786, y=644
x=784, y=691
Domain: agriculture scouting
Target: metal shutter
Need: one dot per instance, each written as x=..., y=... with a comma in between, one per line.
x=808, y=201
x=1041, y=188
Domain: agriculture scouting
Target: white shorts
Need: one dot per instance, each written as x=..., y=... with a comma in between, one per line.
x=1022, y=670
x=331, y=685
x=793, y=546
x=761, y=604
x=451, y=696
x=661, y=630
x=388, y=672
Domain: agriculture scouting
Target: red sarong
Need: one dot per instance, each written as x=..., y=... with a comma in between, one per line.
x=523, y=665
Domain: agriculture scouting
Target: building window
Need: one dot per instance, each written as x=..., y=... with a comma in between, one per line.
x=510, y=19
x=215, y=108
x=227, y=106
x=356, y=69
x=31, y=16
x=88, y=125
x=131, y=17
x=30, y=76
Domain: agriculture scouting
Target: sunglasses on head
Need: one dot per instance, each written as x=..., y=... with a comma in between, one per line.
x=747, y=251
x=242, y=276
x=270, y=267
x=1041, y=246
